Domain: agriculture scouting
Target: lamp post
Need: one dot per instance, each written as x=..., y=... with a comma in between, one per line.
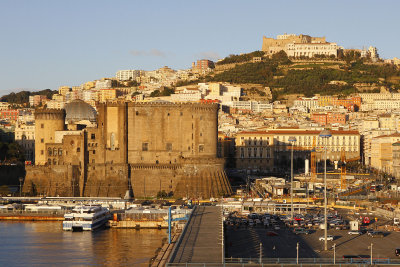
x=334, y=253
x=325, y=134
x=372, y=244
x=292, y=139
x=20, y=185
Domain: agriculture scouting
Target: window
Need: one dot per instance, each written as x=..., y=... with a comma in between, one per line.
x=60, y=151
x=49, y=151
x=78, y=149
x=41, y=152
x=92, y=136
x=49, y=161
x=94, y=152
x=41, y=140
x=145, y=146
x=168, y=147
x=201, y=148
x=55, y=151
x=42, y=125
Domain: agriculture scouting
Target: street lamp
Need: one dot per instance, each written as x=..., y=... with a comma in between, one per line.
x=20, y=185
x=334, y=253
x=292, y=139
x=325, y=134
x=370, y=247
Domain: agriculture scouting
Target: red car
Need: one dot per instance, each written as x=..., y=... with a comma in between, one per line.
x=272, y=233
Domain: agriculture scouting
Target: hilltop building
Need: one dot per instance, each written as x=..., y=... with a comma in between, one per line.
x=299, y=46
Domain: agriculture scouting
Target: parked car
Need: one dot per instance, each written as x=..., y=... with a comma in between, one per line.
x=354, y=232
x=299, y=231
x=272, y=233
x=329, y=238
x=376, y=234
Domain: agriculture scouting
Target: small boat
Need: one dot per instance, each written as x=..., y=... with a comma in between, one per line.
x=85, y=218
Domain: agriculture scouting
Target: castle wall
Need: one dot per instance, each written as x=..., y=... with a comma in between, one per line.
x=164, y=132
x=47, y=121
x=106, y=180
x=51, y=181
x=143, y=147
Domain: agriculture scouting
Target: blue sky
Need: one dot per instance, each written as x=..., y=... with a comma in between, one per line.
x=49, y=43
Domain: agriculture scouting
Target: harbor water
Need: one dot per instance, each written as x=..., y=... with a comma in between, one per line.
x=46, y=244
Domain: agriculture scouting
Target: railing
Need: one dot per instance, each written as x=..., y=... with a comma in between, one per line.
x=5, y=212
x=176, y=247
x=231, y=262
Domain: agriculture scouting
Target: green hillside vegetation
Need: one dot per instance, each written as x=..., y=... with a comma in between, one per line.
x=314, y=79
x=23, y=96
x=240, y=58
x=258, y=73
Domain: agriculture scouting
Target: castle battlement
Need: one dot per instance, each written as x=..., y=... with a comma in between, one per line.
x=50, y=114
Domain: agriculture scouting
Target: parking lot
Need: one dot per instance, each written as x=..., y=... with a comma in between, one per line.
x=243, y=241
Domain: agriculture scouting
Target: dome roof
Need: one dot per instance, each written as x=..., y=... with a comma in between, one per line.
x=79, y=110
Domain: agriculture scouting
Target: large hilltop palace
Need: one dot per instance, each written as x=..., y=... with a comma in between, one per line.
x=127, y=149
x=299, y=45
x=305, y=46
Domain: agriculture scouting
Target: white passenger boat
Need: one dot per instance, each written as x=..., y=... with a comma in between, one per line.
x=85, y=218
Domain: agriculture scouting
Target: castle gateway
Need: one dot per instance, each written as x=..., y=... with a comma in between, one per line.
x=141, y=148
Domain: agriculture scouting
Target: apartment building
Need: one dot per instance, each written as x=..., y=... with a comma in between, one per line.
x=381, y=152
x=329, y=118
x=263, y=150
x=126, y=75
x=25, y=137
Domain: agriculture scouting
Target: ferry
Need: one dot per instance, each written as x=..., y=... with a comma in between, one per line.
x=85, y=218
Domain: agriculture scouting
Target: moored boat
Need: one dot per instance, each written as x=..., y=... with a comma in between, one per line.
x=85, y=218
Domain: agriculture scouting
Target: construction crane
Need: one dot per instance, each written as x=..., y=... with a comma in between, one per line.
x=313, y=162
x=343, y=163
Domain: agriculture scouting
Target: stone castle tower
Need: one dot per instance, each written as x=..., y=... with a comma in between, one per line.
x=144, y=147
x=47, y=122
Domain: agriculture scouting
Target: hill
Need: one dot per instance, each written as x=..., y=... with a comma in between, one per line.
x=307, y=76
x=23, y=96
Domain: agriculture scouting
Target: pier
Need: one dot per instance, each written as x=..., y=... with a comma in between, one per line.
x=201, y=239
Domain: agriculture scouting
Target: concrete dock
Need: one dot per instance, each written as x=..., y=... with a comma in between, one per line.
x=202, y=239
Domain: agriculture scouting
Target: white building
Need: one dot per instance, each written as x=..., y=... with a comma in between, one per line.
x=187, y=95
x=306, y=102
x=126, y=75
x=55, y=104
x=253, y=106
x=311, y=49
x=25, y=137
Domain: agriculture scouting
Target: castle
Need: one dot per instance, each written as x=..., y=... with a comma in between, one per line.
x=299, y=46
x=127, y=148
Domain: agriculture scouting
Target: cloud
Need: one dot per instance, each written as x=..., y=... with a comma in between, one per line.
x=150, y=53
x=211, y=55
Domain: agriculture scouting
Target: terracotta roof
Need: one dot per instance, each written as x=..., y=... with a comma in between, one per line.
x=389, y=135
x=306, y=132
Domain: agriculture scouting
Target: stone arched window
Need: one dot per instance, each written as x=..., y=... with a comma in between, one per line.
x=49, y=151
x=55, y=151
x=60, y=151
x=54, y=162
x=112, y=141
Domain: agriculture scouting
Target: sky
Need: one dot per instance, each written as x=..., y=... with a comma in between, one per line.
x=51, y=43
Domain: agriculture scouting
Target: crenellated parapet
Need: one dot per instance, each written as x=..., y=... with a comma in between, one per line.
x=49, y=114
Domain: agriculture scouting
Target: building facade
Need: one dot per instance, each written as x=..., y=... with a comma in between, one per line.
x=142, y=148
x=264, y=150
